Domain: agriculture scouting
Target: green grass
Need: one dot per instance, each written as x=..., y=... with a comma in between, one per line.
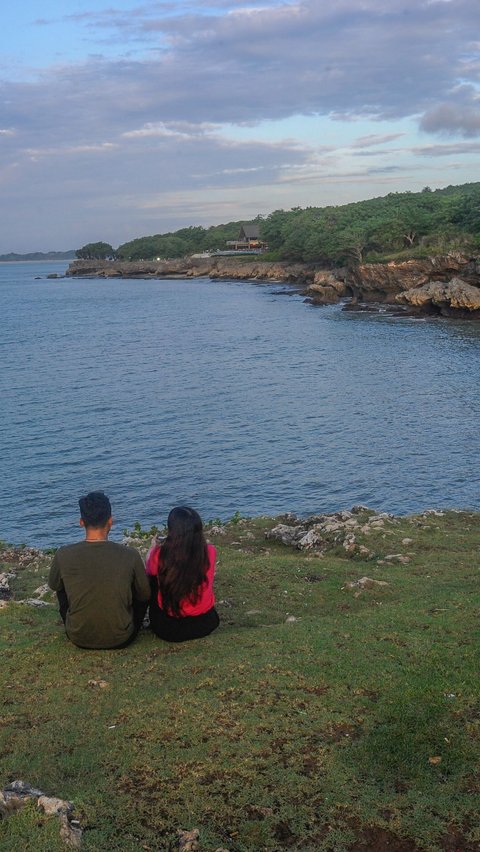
x=313, y=734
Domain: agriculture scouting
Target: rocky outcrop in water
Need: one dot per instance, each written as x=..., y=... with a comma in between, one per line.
x=328, y=287
x=450, y=298
x=447, y=285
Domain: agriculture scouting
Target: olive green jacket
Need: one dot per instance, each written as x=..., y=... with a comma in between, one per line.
x=101, y=580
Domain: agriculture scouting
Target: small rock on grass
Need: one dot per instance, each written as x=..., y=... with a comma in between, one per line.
x=397, y=557
x=188, y=840
x=70, y=832
x=42, y=590
x=9, y=805
x=21, y=789
x=50, y=805
x=365, y=583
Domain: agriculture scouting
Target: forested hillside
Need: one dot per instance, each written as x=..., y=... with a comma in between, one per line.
x=407, y=224
x=398, y=225
x=179, y=243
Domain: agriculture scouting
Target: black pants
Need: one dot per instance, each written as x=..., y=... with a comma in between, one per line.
x=139, y=610
x=181, y=629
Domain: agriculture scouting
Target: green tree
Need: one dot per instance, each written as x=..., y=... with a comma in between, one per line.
x=95, y=251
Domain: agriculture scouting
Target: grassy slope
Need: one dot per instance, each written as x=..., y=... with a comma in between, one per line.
x=313, y=734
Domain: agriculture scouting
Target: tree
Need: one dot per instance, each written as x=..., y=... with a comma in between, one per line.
x=95, y=251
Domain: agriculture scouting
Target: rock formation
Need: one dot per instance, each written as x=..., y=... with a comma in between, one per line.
x=328, y=287
x=455, y=276
x=453, y=298
x=237, y=268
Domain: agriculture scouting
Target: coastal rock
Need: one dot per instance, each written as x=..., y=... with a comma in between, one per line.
x=349, y=542
x=384, y=281
x=319, y=532
x=286, y=535
x=326, y=288
x=243, y=268
x=20, y=555
x=216, y=529
x=5, y=593
x=366, y=283
x=453, y=296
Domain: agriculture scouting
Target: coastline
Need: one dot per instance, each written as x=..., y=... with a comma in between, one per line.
x=447, y=285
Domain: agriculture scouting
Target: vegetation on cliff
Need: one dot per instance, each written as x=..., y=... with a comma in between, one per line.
x=399, y=225
x=336, y=708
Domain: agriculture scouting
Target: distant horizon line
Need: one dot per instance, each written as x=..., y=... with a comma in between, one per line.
x=14, y=257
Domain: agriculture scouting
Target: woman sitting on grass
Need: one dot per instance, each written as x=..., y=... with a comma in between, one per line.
x=181, y=569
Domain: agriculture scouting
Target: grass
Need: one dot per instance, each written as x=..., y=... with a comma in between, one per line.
x=354, y=725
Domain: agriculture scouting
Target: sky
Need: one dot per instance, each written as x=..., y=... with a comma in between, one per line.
x=128, y=119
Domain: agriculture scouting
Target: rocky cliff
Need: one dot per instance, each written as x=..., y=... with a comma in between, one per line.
x=448, y=285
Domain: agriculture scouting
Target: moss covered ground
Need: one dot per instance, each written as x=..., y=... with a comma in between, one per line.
x=317, y=717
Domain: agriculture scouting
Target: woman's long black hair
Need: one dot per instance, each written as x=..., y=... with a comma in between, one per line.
x=183, y=561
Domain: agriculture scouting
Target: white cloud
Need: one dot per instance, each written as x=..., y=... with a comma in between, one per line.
x=373, y=140
x=69, y=151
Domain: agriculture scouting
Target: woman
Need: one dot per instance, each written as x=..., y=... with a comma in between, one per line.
x=181, y=569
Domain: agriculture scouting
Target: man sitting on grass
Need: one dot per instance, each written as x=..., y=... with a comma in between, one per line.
x=101, y=586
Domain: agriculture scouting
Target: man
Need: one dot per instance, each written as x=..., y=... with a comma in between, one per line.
x=101, y=586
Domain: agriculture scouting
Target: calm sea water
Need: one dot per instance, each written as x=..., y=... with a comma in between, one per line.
x=227, y=396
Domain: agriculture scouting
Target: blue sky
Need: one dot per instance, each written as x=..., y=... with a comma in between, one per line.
x=125, y=119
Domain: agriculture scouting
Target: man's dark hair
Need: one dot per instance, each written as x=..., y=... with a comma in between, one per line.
x=95, y=509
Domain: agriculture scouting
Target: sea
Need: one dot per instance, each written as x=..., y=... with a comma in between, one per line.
x=232, y=397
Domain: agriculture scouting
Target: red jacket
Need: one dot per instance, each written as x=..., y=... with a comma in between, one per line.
x=206, y=597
